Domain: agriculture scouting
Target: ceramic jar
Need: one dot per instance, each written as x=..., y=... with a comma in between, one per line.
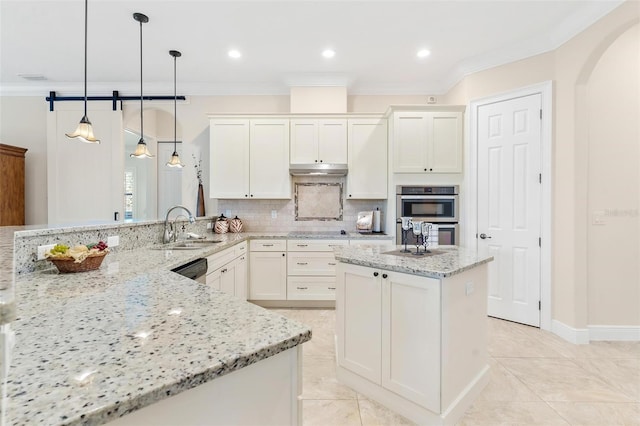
x=235, y=225
x=221, y=226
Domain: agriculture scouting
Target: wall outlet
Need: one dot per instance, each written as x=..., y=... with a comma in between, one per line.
x=209, y=225
x=113, y=241
x=468, y=288
x=274, y=214
x=43, y=249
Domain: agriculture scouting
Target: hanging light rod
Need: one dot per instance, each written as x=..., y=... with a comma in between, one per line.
x=115, y=97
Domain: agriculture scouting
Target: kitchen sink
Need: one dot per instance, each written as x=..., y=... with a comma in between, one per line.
x=187, y=245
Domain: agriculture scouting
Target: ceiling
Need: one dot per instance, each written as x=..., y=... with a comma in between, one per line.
x=280, y=41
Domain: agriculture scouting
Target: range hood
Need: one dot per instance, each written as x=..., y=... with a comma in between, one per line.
x=318, y=169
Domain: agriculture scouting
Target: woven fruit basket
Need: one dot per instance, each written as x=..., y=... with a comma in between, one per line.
x=68, y=265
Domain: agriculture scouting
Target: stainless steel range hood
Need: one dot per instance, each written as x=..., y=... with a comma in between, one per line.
x=318, y=169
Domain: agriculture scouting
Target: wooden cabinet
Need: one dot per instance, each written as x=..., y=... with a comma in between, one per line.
x=249, y=158
x=318, y=141
x=428, y=141
x=11, y=185
x=367, y=158
x=227, y=271
x=311, y=269
x=268, y=270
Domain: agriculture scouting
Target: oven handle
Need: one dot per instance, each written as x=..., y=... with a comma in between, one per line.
x=428, y=197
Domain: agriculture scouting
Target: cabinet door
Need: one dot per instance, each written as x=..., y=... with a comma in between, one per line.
x=229, y=158
x=269, y=159
x=228, y=279
x=410, y=142
x=332, y=141
x=303, y=144
x=445, y=147
x=411, y=337
x=267, y=276
x=214, y=278
x=367, y=141
x=241, y=277
x=358, y=320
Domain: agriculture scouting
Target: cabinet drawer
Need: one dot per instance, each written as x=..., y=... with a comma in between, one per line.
x=217, y=260
x=268, y=245
x=311, y=288
x=311, y=263
x=314, y=245
x=240, y=249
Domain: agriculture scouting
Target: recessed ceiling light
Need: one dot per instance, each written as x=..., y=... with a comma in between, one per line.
x=328, y=53
x=423, y=53
x=235, y=54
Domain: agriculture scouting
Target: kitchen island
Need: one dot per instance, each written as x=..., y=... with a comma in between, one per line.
x=134, y=337
x=412, y=330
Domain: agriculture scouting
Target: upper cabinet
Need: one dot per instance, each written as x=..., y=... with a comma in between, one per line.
x=318, y=141
x=367, y=177
x=428, y=140
x=249, y=158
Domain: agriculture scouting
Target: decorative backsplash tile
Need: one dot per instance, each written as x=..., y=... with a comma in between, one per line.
x=318, y=201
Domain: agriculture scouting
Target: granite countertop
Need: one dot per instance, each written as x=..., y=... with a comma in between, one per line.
x=445, y=261
x=94, y=346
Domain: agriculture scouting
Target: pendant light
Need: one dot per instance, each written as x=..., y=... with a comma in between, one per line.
x=141, y=149
x=175, y=158
x=84, y=131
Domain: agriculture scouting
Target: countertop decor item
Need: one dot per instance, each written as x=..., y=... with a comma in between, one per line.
x=142, y=151
x=90, y=263
x=235, y=225
x=365, y=221
x=175, y=158
x=222, y=225
x=80, y=258
x=200, y=210
x=84, y=131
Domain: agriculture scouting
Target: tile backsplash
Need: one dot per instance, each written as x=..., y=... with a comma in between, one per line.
x=257, y=215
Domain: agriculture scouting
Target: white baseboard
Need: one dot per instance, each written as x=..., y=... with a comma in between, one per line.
x=581, y=336
x=614, y=332
x=578, y=336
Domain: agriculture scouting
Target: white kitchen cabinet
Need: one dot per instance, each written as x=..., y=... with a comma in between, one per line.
x=227, y=271
x=367, y=158
x=428, y=141
x=318, y=141
x=268, y=270
x=229, y=158
x=311, y=268
x=249, y=158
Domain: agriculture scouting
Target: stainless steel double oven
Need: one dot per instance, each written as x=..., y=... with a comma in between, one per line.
x=435, y=204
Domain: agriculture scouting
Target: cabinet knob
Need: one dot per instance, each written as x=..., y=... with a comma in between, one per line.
x=282, y=254
x=252, y=195
x=384, y=275
x=430, y=170
x=321, y=161
x=316, y=161
x=349, y=195
x=425, y=170
x=375, y=274
x=246, y=195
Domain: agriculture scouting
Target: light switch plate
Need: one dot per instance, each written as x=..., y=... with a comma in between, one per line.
x=113, y=241
x=43, y=249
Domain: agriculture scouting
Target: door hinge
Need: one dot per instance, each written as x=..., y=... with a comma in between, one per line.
x=540, y=114
x=539, y=177
x=539, y=305
x=539, y=242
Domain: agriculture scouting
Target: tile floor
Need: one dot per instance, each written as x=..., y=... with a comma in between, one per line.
x=536, y=379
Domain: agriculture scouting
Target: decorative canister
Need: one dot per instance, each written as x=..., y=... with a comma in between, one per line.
x=221, y=226
x=235, y=225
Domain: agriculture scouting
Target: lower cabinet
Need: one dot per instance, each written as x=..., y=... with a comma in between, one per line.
x=388, y=328
x=268, y=270
x=227, y=271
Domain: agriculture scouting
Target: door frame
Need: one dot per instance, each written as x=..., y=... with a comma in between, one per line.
x=545, y=89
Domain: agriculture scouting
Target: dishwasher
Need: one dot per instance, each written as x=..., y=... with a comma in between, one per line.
x=195, y=270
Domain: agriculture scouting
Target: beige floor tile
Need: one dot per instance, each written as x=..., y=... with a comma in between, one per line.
x=598, y=413
x=622, y=374
x=330, y=413
x=504, y=386
x=519, y=345
x=319, y=380
x=495, y=413
x=591, y=350
x=374, y=414
x=321, y=345
x=561, y=380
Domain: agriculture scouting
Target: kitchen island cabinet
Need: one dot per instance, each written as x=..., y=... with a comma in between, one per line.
x=412, y=331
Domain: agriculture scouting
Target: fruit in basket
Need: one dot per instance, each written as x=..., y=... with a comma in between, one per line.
x=77, y=253
x=59, y=249
x=100, y=245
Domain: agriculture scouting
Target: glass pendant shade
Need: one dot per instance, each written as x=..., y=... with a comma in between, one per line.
x=141, y=150
x=84, y=132
x=175, y=160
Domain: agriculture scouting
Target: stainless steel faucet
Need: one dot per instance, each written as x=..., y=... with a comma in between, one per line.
x=169, y=232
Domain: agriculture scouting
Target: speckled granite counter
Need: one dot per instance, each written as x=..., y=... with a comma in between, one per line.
x=451, y=260
x=137, y=331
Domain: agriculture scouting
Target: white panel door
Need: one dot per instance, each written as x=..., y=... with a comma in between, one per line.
x=509, y=216
x=303, y=145
x=410, y=142
x=367, y=141
x=445, y=147
x=85, y=181
x=332, y=141
x=229, y=158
